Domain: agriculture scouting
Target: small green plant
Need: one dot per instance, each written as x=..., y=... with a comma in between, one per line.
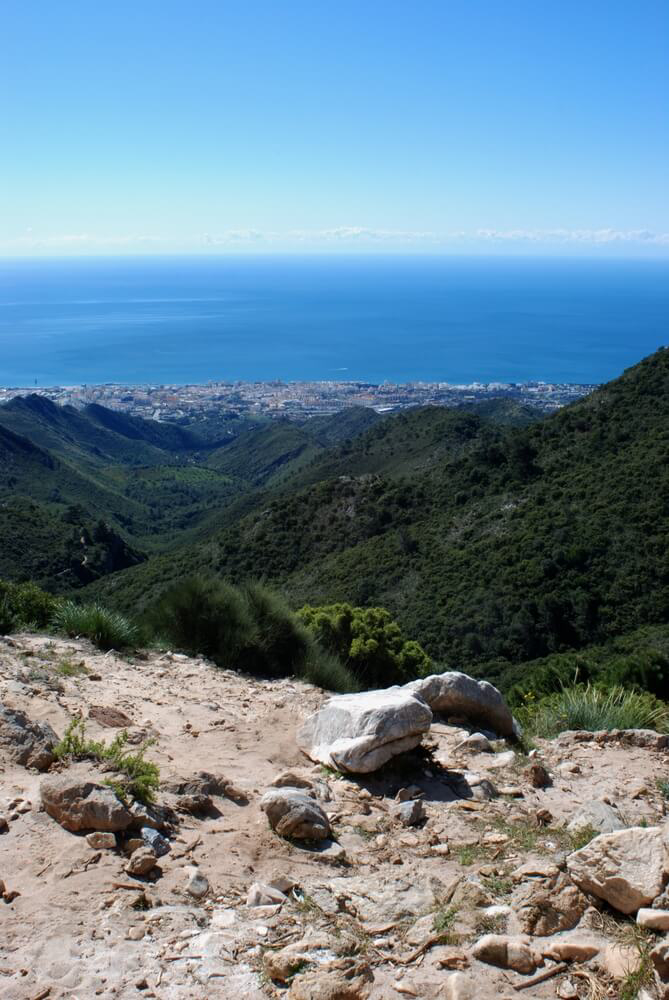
x=663, y=787
x=491, y=923
x=643, y=973
x=69, y=669
x=106, y=629
x=442, y=924
x=138, y=778
x=579, y=838
x=497, y=885
x=468, y=854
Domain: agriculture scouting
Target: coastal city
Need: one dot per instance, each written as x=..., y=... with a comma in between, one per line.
x=297, y=400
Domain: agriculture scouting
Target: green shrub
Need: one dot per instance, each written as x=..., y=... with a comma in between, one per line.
x=585, y=706
x=206, y=617
x=106, y=629
x=368, y=642
x=279, y=643
x=327, y=671
x=136, y=777
x=245, y=628
x=24, y=605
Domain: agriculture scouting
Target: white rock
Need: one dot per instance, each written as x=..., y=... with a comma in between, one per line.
x=655, y=920
x=599, y=815
x=454, y=693
x=626, y=868
x=358, y=733
x=292, y=812
x=260, y=894
x=197, y=885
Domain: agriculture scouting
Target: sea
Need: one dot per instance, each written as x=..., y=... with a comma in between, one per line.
x=180, y=320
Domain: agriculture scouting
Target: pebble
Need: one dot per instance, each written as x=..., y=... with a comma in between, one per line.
x=99, y=840
x=197, y=885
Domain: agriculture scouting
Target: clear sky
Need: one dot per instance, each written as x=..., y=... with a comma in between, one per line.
x=159, y=126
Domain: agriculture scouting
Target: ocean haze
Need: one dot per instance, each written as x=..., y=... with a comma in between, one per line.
x=195, y=319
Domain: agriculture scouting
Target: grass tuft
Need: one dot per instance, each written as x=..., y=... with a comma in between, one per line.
x=106, y=629
x=591, y=708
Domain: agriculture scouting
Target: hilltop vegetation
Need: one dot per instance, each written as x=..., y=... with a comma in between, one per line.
x=493, y=539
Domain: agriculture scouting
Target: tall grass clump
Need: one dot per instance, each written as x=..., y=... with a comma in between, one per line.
x=106, y=629
x=585, y=706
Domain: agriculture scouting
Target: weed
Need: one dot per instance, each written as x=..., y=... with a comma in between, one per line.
x=490, y=923
x=69, y=669
x=644, y=972
x=140, y=778
x=497, y=885
x=579, y=838
x=663, y=787
x=468, y=854
x=442, y=924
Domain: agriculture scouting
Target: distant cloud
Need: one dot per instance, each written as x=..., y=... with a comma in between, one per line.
x=343, y=236
x=593, y=236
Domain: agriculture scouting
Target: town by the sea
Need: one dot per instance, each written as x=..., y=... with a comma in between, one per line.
x=368, y=319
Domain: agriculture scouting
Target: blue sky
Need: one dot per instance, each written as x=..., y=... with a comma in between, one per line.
x=161, y=126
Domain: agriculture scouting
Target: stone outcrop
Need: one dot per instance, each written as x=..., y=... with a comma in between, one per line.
x=25, y=742
x=293, y=813
x=359, y=733
x=83, y=804
x=628, y=869
x=599, y=815
x=456, y=694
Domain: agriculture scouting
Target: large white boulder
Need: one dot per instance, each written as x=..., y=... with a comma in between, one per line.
x=358, y=733
x=457, y=694
x=627, y=869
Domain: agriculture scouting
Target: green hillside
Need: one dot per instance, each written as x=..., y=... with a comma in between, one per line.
x=488, y=542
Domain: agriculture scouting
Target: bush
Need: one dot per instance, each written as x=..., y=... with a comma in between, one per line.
x=585, y=706
x=206, y=617
x=327, y=671
x=24, y=605
x=106, y=629
x=368, y=642
x=279, y=643
x=137, y=778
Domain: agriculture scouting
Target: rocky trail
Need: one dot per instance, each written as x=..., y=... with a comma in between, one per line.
x=298, y=849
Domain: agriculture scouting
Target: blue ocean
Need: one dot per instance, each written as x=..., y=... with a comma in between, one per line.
x=181, y=320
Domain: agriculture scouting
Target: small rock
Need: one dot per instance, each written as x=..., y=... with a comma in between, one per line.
x=25, y=742
x=409, y=813
x=260, y=894
x=599, y=815
x=655, y=920
x=566, y=990
x=4, y=825
x=114, y=718
x=82, y=804
x=476, y=743
x=141, y=862
x=101, y=841
x=660, y=958
x=197, y=885
x=441, y=850
x=293, y=813
x=406, y=794
x=506, y=953
x=537, y=775
x=135, y=933
x=571, y=948
x=155, y=840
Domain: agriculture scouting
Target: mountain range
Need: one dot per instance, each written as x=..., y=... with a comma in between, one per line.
x=494, y=537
